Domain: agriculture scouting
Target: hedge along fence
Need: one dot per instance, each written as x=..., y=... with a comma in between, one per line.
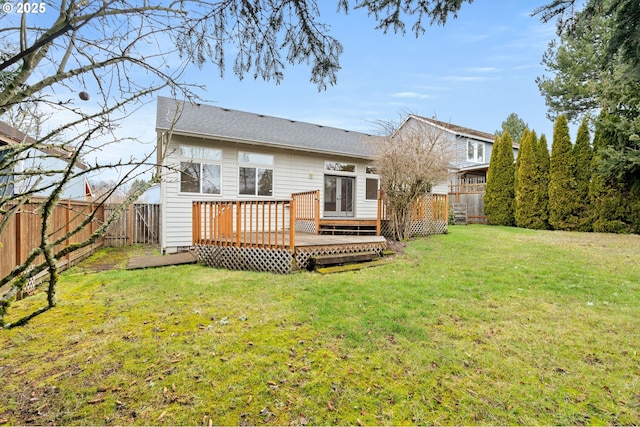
x=24, y=229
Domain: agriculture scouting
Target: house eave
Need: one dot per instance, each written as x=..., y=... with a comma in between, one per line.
x=265, y=144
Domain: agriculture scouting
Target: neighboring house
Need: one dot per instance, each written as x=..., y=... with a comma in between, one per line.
x=151, y=196
x=34, y=166
x=215, y=153
x=470, y=163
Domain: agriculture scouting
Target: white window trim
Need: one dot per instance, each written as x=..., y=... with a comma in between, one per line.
x=476, y=144
x=371, y=176
x=257, y=166
x=201, y=162
x=339, y=173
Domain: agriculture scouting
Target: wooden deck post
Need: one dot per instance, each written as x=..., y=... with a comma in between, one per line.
x=292, y=225
x=379, y=215
x=316, y=211
x=238, y=224
x=195, y=222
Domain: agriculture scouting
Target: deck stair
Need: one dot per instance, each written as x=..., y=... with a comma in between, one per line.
x=348, y=227
x=347, y=262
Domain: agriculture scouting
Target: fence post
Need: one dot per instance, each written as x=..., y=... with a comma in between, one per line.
x=67, y=229
x=131, y=225
x=19, y=235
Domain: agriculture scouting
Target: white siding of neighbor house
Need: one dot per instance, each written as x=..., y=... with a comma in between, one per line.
x=35, y=160
x=294, y=171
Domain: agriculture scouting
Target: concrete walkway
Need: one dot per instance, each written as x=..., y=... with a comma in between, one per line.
x=151, y=261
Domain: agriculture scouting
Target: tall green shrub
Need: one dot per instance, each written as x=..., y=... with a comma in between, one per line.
x=499, y=198
x=526, y=182
x=542, y=175
x=583, y=156
x=562, y=196
x=609, y=204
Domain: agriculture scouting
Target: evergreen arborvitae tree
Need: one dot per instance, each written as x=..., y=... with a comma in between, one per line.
x=583, y=156
x=526, y=179
x=609, y=207
x=542, y=175
x=562, y=195
x=499, y=196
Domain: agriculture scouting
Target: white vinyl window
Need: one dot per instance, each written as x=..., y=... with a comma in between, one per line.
x=475, y=151
x=255, y=174
x=372, y=183
x=200, y=170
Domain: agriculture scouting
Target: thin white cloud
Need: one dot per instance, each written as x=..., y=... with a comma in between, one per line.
x=483, y=69
x=410, y=95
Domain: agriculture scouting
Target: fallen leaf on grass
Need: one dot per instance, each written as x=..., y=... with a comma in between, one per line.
x=330, y=406
x=4, y=421
x=96, y=400
x=360, y=423
x=162, y=415
x=249, y=399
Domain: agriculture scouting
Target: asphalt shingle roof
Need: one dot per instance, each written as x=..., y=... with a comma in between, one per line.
x=226, y=124
x=461, y=130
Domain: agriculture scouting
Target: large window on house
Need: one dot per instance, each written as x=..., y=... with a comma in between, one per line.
x=255, y=174
x=475, y=151
x=372, y=183
x=200, y=170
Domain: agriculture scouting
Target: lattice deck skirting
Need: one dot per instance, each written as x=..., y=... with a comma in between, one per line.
x=425, y=227
x=280, y=261
x=255, y=259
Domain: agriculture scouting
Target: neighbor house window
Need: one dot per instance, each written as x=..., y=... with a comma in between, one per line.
x=200, y=170
x=255, y=174
x=475, y=151
x=372, y=183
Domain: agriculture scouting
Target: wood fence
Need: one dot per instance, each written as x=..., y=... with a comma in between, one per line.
x=469, y=193
x=140, y=224
x=24, y=229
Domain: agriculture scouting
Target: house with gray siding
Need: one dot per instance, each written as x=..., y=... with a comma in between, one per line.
x=472, y=153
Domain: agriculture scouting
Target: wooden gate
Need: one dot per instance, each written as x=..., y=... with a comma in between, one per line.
x=140, y=224
x=469, y=192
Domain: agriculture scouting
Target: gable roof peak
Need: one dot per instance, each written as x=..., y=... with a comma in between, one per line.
x=456, y=129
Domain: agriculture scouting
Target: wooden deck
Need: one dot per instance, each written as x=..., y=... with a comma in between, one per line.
x=300, y=239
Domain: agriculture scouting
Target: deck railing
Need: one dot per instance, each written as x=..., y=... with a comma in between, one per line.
x=245, y=223
x=308, y=210
x=429, y=206
x=469, y=185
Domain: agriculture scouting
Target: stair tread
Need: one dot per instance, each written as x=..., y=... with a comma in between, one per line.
x=351, y=267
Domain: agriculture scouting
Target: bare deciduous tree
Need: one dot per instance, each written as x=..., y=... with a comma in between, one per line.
x=410, y=161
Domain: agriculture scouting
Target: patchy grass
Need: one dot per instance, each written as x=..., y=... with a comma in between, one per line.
x=485, y=325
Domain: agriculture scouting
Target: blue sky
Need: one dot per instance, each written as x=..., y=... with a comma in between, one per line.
x=472, y=72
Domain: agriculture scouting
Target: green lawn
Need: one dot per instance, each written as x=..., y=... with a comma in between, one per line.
x=485, y=325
